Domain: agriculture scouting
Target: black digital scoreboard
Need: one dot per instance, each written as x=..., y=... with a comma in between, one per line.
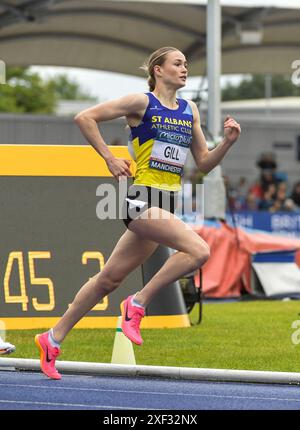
x=52, y=240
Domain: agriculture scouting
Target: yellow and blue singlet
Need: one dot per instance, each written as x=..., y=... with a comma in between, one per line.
x=161, y=143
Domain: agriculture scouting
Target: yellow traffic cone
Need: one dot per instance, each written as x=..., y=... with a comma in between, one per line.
x=123, y=352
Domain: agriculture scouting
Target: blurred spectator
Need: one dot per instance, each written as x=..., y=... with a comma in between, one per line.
x=251, y=202
x=241, y=194
x=269, y=198
x=256, y=190
x=267, y=177
x=295, y=196
x=290, y=205
x=268, y=165
x=268, y=193
x=242, y=188
x=267, y=160
x=282, y=186
x=281, y=202
x=230, y=193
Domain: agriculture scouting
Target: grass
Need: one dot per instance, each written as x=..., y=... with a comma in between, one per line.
x=245, y=335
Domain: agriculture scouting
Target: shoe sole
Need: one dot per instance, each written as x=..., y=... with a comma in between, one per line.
x=122, y=313
x=42, y=355
x=36, y=340
x=122, y=307
x=7, y=351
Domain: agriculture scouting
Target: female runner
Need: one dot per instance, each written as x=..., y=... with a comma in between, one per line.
x=163, y=129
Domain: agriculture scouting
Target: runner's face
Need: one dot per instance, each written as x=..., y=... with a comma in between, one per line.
x=174, y=70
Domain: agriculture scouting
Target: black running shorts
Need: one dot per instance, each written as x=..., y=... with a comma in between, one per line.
x=140, y=198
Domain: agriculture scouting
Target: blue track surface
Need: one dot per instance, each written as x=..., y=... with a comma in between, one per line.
x=26, y=390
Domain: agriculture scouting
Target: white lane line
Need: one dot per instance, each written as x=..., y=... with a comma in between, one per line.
x=154, y=393
x=76, y=405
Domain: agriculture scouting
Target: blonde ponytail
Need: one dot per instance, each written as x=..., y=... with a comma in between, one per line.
x=157, y=58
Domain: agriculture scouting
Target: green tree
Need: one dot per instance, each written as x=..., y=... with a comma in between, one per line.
x=26, y=92
x=65, y=89
x=254, y=88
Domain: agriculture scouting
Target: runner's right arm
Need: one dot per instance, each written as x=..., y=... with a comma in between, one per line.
x=132, y=106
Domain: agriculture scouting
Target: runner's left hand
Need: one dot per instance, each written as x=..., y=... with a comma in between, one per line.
x=232, y=130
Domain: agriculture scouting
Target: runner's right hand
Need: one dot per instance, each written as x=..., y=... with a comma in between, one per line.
x=119, y=168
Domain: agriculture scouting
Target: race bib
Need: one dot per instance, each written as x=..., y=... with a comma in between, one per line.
x=169, y=152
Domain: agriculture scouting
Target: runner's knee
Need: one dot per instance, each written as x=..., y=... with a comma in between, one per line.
x=108, y=282
x=200, y=254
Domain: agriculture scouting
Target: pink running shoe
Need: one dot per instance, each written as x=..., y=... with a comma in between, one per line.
x=48, y=355
x=131, y=320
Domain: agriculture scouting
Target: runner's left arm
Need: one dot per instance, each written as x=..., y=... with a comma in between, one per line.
x=207, y=160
